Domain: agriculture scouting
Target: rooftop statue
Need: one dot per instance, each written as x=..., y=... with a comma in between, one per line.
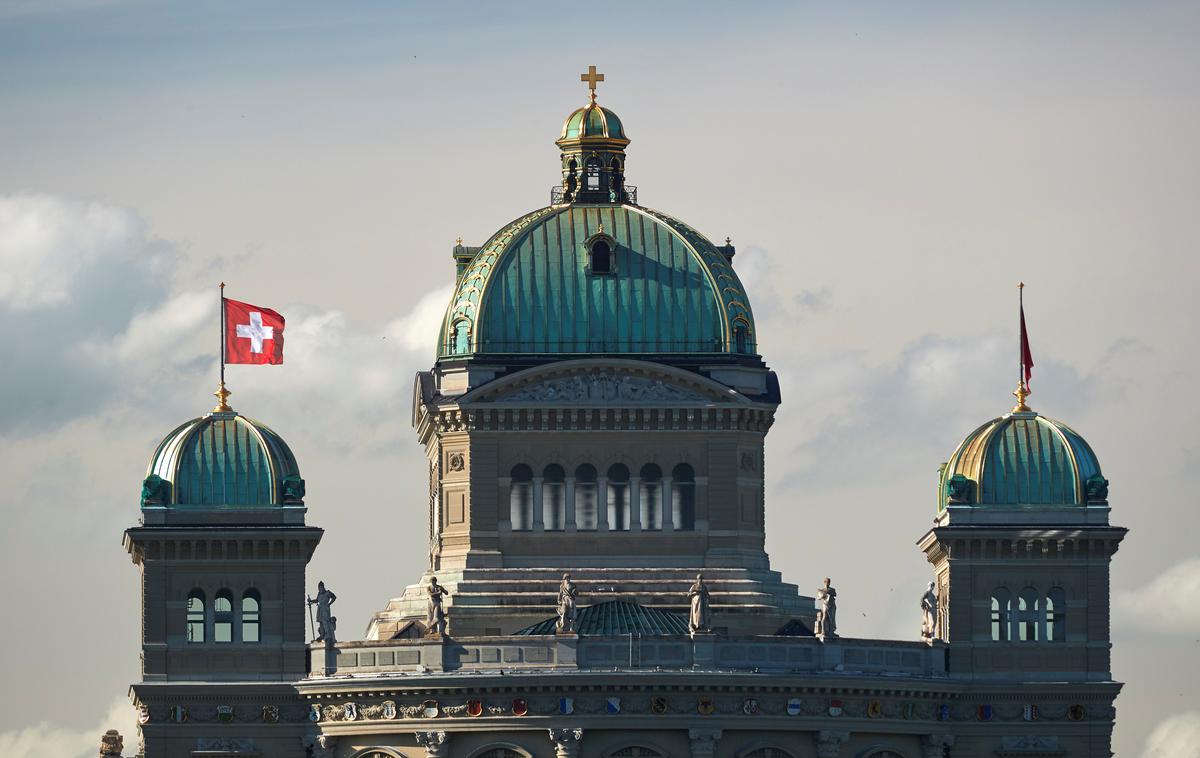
x=435, y=614
x=326, y=621
x=567, y=609
x=826, y=611
x=929, y=614
x=700, y=618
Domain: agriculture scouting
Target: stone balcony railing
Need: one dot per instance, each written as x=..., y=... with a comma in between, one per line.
x=565, y=653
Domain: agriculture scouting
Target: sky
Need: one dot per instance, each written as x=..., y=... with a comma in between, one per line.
x=887, y=171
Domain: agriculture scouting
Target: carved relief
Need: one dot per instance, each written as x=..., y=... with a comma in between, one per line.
x=598, y=387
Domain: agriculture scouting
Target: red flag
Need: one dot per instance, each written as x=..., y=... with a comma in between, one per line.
x=252, y=334
x=1026, y=356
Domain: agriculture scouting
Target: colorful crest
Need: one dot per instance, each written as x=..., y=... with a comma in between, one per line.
x=750, y=706
x=984, y=713
x=430, y=709
x=705, y=705
x=874, y=709
x=658, y=704
x=143, y=714
x=566, y=706
x=350, y=711
x=835, y=708
x=520, y=706
x=944, y=712
x=314, y=712
x=179, y=714
x=389, y=709
x=910, y=710
x=225, y=714
x=270, y=714
x=1031, y=713
x=794, y=706
x=474, y=707
x=1076, y=712
x=612, y=705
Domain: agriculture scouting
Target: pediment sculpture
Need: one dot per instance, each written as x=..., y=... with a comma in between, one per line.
x=601, y=386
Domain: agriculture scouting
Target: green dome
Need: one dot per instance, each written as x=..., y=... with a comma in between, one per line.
x=222, y=459
x=592, y=121
x=531, y=289
x=1022, y=459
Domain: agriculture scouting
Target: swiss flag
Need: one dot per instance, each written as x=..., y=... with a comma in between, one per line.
x=252, y=334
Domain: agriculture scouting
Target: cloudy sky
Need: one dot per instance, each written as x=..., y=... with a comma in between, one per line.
x=888, y=173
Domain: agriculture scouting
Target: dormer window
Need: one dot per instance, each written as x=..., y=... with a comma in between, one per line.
x=601, y=251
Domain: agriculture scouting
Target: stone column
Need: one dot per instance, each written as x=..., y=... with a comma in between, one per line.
x=566, y=741
x=434, y=743
x=667, y=504
x=569, y=495
x=704, y=742
x=601, y=503
x=538, y=523
x=635, y=504
x=935, y=745
x=829, y=743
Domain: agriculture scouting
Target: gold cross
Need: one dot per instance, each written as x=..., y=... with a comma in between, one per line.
x=591, y=77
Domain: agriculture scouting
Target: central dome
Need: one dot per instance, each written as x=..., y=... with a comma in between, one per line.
x=598, y=279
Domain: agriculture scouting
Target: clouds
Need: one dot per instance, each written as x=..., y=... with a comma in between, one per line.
x=1168, y=605
x=1177, y=736
x=51, y=739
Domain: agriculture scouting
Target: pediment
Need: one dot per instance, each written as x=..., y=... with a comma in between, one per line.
x=588, y=382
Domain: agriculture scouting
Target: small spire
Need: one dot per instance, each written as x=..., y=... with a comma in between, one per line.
x=1020, y=393
x=458, y=241
x=728, y=242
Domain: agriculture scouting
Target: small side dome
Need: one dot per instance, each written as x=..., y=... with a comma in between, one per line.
x=592, y=120
x=222, y=459
x=1022, y=458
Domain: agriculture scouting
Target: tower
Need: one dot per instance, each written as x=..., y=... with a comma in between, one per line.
x=222, y=550
x=598, y=405
x=1021, y=549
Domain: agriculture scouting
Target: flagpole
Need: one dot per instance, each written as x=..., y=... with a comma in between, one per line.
x=222, y=394
x=1022, y=390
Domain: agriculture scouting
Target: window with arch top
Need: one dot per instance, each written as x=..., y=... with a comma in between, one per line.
x=586, y=497
x=618, y=498
x=554, y=497
x=195, y=616
x=650, y=496
x=637, y=751
x=1027, y=616
x=1000, y=609
x=520, y=498
x=593, y=174
x=1056, y=615
x=499, y=752
x=251, y=616
x=683, y=497
x=223, y=617
x=767, y=752
x=601, y=251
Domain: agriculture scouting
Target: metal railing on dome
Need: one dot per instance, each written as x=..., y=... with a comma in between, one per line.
x=557, y=195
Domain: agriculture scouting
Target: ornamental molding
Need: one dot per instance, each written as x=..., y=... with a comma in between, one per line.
x=600, y=387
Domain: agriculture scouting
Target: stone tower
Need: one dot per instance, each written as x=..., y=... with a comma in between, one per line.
x=1021, y=550
x=222, y=551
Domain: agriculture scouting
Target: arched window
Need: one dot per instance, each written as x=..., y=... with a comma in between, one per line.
x=462, y=337
x=768, y=752
x=520, y=498
x=618, y=498
x=1056, y=615
x=593, y=174
x=251, y=616
x=223, y=617
x=650, y=496
x=1000, y=624
x=637, y=751
x=195, y=616
x=585, y=497
x=1028, y=612
x=554, y=497
x=499, y=752
x=600, y=254
x=617, y=181
x=683, y=497
x=884, y=753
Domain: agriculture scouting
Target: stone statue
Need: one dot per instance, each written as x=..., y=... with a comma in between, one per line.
x=326, y=621
x=700, y=618
x=293, y=490
x=827, y=611
x=567, y=610
x=111, y=744
x=929, y=614
x=155, y=490
x=435, y=614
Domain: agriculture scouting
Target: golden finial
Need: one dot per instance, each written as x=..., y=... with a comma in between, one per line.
x=1020, y=393
x=728, y=242
x=1020, y=285
x=222, y=395
x=458, y=241
x=600, y=229
x=591, y=77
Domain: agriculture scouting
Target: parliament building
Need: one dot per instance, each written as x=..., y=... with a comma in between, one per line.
x=595, y=433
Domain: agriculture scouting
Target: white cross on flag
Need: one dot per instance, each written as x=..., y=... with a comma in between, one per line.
x=252, y=334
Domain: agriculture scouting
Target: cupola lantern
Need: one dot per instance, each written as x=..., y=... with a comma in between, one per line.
x=593, y=145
